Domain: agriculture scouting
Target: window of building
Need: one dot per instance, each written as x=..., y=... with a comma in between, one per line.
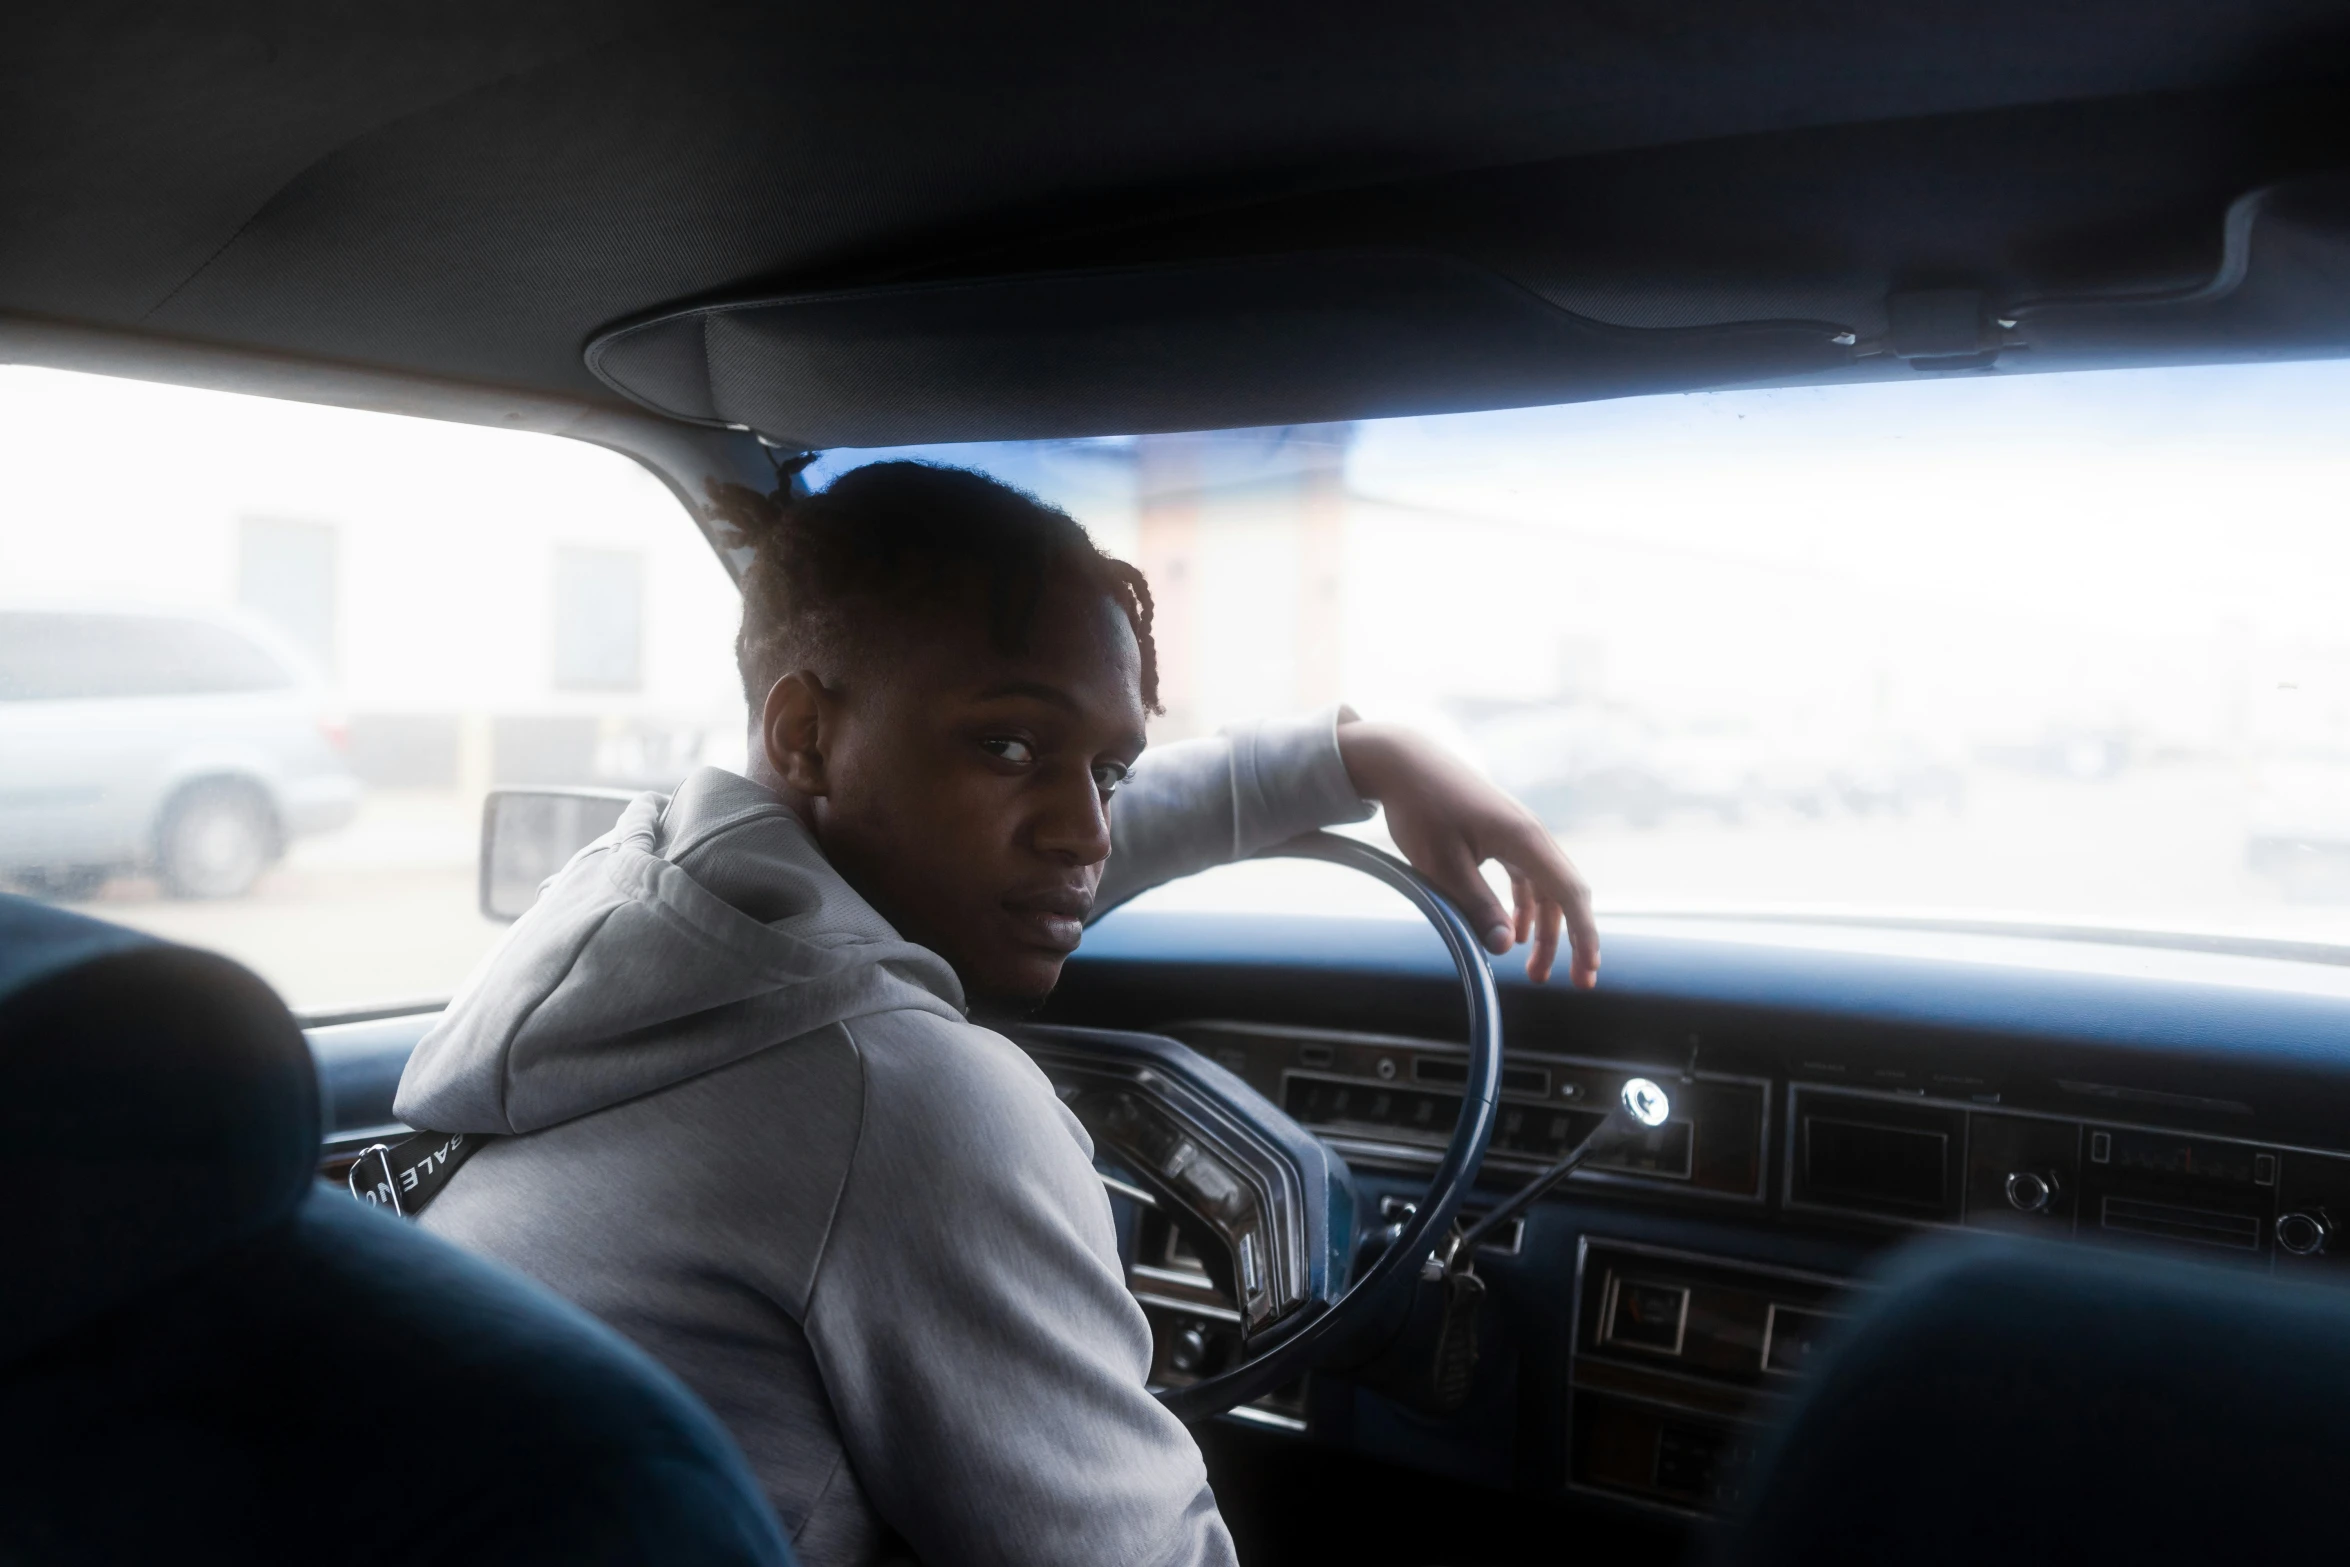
x=286, y=578
x=63, y=657
x=599, y=619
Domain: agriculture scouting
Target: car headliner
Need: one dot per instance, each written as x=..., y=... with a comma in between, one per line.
x=459, y=197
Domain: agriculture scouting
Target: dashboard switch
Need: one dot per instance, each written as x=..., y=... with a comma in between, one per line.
x=2303, y=1232
x=2030, y=1191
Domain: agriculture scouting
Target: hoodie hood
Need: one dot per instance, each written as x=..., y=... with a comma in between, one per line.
x=705, y=927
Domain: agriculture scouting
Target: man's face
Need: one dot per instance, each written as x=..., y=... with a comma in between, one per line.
x=967, y=790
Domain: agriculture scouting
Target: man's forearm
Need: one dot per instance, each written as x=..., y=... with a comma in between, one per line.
x=1200, y=803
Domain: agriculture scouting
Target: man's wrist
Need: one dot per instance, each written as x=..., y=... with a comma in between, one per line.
x=1369, y=752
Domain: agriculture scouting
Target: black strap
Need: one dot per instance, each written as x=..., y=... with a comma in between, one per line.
x=405, y=1175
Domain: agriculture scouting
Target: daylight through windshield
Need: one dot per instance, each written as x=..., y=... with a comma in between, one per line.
x=2054, y=648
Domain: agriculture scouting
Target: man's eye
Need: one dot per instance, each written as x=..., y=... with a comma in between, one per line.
x=1011, y=750
x=1108, y=776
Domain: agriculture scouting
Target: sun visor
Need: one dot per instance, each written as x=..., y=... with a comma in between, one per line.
x=1216, y=345
x=2281, y=290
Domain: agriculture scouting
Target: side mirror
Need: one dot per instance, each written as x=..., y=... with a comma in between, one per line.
x=527, y=835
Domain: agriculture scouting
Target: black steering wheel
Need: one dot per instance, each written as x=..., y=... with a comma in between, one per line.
x=1272, y=1204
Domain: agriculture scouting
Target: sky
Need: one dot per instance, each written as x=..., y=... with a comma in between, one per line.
x=2126, y=499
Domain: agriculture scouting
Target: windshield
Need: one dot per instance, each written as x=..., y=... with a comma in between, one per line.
x=2058, y=649
x=2052, y=649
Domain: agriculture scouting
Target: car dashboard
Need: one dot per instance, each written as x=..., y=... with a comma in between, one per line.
x=1838, y=1090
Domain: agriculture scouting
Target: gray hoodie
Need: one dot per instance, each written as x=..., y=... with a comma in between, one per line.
x=745, y=1123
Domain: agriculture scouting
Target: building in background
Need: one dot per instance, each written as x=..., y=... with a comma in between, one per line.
x=484, y=607
x=1242, y=534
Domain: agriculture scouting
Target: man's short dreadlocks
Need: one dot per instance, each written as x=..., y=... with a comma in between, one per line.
x=893, y=537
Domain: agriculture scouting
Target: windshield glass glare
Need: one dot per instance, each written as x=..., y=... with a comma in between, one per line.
x=2050, y=648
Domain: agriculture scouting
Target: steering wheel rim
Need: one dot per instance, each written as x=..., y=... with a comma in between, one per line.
x=1290, y=1348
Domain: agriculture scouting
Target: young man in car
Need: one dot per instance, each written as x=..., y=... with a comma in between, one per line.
x=746, y=1106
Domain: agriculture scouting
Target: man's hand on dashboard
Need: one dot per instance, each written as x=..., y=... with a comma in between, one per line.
x=1448, y=822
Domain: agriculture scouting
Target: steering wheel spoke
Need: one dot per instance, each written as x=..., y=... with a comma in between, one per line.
x=1271, y=1207
x=1274, y=1204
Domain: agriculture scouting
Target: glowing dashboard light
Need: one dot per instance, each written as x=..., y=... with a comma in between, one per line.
x=1645, y=1102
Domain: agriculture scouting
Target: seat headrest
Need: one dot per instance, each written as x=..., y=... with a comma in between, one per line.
x=156, y=1105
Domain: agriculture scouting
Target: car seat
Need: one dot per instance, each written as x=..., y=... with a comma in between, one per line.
x=205, y=1354
x=2030, y=1403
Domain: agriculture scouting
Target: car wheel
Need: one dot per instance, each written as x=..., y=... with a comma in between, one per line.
x=216, y=841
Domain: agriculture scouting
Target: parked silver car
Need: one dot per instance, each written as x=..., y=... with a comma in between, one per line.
x=189, y=744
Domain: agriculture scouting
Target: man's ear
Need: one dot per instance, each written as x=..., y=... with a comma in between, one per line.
x=792, y=729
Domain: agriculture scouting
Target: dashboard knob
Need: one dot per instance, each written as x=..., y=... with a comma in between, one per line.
x=2303, y=1232
x=1187, y=1351
x=2030, y=1191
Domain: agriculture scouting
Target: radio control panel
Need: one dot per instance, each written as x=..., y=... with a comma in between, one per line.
x=1939, y=1162
x=1678, y=1359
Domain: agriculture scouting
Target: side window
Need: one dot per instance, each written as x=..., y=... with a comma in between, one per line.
x=599, y=619
x=415, y=613
x=194, y=658
x=64, y=657
x=34, y=667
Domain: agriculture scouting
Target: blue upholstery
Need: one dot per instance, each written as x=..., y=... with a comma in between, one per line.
x=2027, y=1404
x=156, y=1104
x=206, y=1355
